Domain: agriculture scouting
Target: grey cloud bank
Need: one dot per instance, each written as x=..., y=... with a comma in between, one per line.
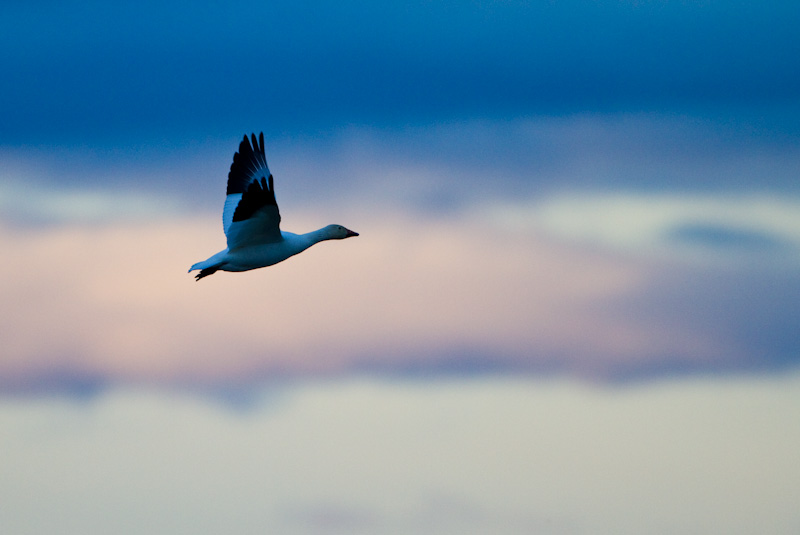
x=506, y=455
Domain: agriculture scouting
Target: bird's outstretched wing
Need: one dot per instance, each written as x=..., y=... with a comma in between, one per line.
x=250, y=215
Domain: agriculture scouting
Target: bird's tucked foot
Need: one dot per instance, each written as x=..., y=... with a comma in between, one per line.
x=206, y=272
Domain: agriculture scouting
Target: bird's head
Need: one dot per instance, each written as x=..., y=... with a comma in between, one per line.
x=338, y=232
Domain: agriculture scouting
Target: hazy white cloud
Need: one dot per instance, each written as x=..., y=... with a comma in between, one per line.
x=471, y=456
x=652, y=223
x=32, y=204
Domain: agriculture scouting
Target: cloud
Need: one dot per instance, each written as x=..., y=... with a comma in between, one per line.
x=729, y=227
x=524, y=246
x=435, y=167
x=457, y=295
x=33, y=204
x=126, y=308
x=488, y=455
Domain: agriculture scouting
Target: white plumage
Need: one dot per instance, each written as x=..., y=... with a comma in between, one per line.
x=251, y=219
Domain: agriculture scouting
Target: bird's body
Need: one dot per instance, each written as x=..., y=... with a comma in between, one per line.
x=251, y=219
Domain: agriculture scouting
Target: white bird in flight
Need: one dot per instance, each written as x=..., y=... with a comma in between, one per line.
x=251, y=219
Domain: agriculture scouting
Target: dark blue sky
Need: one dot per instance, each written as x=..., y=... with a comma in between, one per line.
x=110, y=72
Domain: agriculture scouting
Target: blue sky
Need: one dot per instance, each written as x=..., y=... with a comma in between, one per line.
x=572, y=306
x=93, y=72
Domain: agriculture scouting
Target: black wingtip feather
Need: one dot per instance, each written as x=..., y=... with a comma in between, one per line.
x=258, y=194
x=248, y=162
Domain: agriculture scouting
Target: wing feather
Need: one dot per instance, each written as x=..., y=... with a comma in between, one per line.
x=250, y=215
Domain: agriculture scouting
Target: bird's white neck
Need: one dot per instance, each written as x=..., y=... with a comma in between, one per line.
x=316, y=236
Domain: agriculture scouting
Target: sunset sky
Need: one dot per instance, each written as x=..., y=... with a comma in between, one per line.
x=575, y=293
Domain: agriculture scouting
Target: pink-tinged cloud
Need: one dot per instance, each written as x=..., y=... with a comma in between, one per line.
x=115, y=303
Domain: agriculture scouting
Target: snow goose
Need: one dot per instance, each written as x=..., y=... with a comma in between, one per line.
x=251, y=219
